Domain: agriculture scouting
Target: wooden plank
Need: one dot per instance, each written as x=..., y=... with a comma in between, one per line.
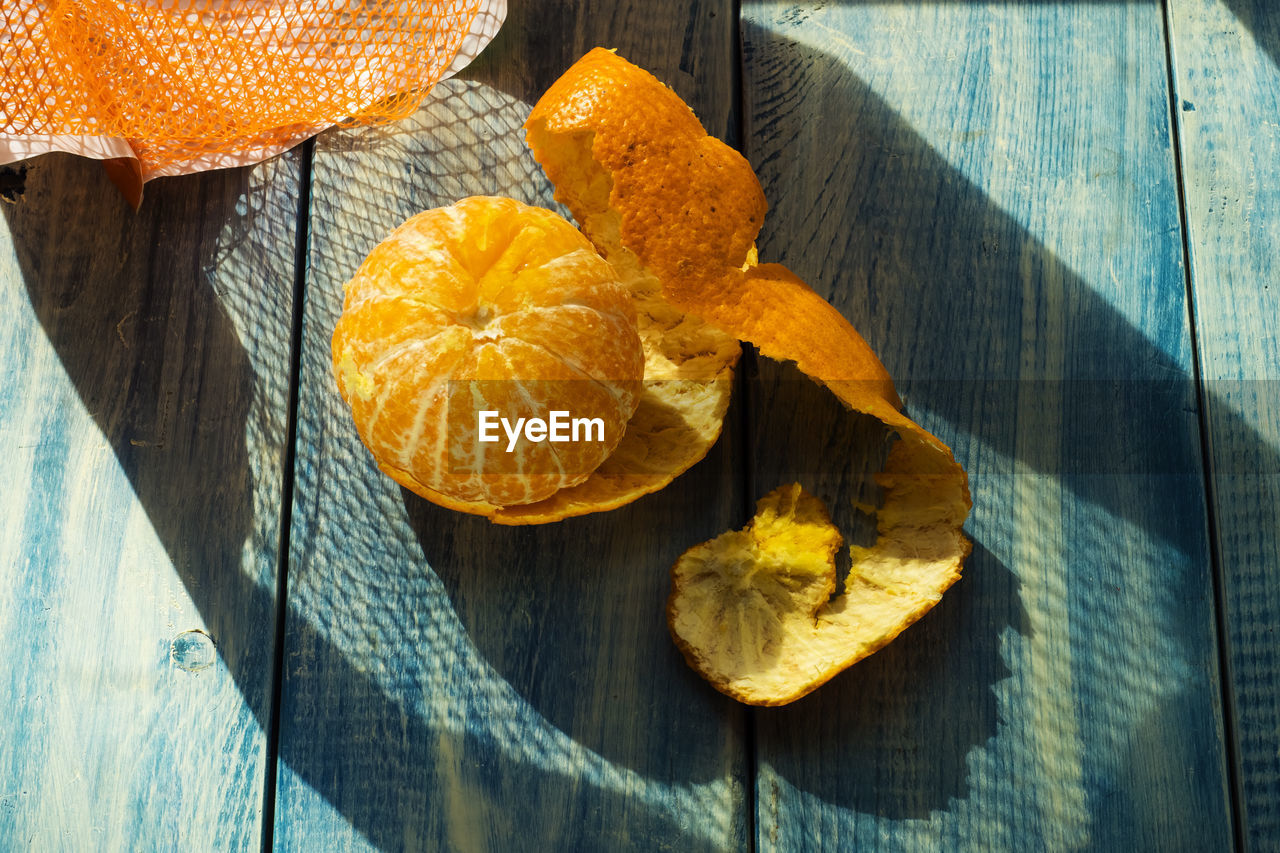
x=1227, y=82
x=988, y=192
x=455, y=685
x=143, y=407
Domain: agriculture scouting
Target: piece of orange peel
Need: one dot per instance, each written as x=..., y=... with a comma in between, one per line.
x=752, y=610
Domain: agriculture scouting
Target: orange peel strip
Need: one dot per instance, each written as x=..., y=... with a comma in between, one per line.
x=752, y=610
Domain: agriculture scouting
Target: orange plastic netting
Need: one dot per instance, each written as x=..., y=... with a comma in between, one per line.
x=186, y=80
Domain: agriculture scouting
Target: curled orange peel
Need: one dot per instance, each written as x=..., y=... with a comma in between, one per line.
x=679, y=211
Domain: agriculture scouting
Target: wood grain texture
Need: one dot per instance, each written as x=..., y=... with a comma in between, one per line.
x=988, y=192
x=143, y=406
x=1227, y=83
x=451, y=684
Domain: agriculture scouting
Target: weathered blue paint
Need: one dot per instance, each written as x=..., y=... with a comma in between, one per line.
x=989, y=193
x=145, y=365
x=455, y=685
x=1226, y=59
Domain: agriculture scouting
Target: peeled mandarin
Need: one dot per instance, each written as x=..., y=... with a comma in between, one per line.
x=488, y=306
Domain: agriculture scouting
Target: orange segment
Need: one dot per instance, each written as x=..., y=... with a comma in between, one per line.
x=486, y=305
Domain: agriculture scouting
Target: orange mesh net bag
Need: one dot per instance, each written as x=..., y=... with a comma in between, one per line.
x=181, y=85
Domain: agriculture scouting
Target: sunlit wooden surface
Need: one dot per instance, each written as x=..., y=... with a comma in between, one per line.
x=1057, y=223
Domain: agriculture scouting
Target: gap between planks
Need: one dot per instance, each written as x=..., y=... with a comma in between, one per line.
x=1231, y=755
x=301, y=242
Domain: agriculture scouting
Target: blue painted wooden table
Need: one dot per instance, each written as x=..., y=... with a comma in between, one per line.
x=1058, y=225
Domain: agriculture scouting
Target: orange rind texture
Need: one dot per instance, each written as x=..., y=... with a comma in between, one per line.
x=666, y=203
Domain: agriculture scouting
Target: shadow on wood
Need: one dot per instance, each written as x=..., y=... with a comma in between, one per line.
x=1069, y=419
x=179, y=383
x=891, y=735
x=158, y=364
x=150, y=347
x=1254, y=18
x=541, y=703
x=530, y=599
x=1261, y=21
